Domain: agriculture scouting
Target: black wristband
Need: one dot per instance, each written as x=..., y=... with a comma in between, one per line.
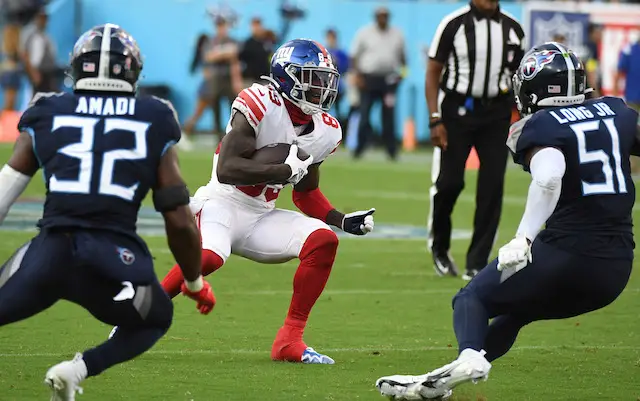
x=169, y=198
x=435, y=123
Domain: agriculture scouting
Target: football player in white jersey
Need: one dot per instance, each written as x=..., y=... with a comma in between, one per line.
x=236, y=211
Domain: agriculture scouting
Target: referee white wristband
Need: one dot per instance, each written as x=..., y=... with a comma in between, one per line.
x=195, y=285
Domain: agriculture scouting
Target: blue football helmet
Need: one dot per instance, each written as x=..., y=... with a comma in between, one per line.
x=303, y=72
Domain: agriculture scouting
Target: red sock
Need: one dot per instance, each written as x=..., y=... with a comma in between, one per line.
x=173, y=280
x=316, y=259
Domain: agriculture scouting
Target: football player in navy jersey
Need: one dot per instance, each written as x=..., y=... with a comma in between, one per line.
x=577, y=152
x=101, y=150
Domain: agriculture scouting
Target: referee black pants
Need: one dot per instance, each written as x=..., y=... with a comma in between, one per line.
x=378, y=88
x=484, y=126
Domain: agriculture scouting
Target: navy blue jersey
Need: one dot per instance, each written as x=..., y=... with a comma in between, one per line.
x=99, y=154
x=593, y=215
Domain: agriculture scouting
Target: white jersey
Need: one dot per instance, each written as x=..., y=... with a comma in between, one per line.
x=265, y=111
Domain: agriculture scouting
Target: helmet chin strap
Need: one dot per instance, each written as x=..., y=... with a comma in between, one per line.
x=298, y=116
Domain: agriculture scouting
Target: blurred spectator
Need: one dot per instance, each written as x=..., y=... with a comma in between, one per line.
x=38, y=53
x=378, y=57
x=591, y=60
x=222, y=75
x=21, y=12
x=560, y=38
x=255, y=54
x=204, y=94
x=629, y=69
x=11, y=71
x=341, y=60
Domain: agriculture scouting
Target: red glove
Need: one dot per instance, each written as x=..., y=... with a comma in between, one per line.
x=204, y=298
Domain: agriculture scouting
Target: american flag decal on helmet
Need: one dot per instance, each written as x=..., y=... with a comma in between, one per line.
x=88, y=67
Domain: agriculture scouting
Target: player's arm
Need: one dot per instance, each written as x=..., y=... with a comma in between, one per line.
x=16, y=174
x=171, y=198
x=235, y=165
x=547, y=166
x=312, y=202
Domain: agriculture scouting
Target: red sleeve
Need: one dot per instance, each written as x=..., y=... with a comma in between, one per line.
x=313, y=203
x=250, y=104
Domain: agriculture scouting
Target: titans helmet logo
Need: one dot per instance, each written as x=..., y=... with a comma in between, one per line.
x=535, y=62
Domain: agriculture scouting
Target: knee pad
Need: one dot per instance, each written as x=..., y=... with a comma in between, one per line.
x=160, y=313
x=322, y=240
x=211, y=261
x=463, y=293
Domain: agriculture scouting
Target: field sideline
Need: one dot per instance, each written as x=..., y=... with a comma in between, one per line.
x=384, y=312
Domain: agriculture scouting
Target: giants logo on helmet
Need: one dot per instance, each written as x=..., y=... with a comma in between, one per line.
x=535, y=62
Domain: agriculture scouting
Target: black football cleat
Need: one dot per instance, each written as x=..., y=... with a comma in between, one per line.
x=443, y=264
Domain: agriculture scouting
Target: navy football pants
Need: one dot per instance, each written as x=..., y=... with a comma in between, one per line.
x=108, y=274
x=556, y=285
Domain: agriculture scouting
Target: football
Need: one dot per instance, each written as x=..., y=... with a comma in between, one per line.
x=276, y=153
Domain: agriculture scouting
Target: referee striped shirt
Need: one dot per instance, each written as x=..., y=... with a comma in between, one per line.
x=480, y=53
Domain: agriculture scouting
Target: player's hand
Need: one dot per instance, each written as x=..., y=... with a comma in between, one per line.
x=358, y=223
x=439, y=136
x=204, y=297
x=516, y=254
x=299, y=168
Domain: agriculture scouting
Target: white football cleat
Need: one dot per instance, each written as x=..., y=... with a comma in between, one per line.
x=471, y=365
x=65, y=377
x=406, y=387
x=311, y=356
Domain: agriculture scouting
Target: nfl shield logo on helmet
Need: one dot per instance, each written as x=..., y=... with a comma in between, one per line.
x=126, y=256
x=117, y=69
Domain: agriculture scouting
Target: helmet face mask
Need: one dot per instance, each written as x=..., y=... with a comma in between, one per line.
x=106, y=58
x=304, y=73
x=549, y=75
x=315, y=88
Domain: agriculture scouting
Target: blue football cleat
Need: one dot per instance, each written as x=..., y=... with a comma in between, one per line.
x=311, y=356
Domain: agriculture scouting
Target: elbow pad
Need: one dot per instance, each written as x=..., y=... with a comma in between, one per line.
x=312, y=203
x=170, y=198
x=13, y=183
x=547, y=168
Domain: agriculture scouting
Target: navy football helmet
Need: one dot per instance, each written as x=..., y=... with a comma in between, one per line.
x=549, y=75
x=303, y=72
x=106, y=58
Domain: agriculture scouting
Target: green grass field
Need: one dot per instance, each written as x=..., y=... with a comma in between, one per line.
x=384, y=312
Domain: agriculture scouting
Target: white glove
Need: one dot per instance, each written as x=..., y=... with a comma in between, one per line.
x=298, y=167
x=358, y=223
x=516, y=254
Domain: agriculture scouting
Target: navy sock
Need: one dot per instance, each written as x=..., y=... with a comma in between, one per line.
x=470, y=320
x=502, y=334
x=125, y=344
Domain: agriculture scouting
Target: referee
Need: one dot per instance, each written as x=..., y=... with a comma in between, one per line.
x=478, y=47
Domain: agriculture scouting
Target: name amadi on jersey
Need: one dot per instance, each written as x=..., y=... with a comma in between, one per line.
x=103, y=146
x=264, y=109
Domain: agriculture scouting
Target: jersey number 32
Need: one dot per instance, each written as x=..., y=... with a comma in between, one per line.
x=83, y=151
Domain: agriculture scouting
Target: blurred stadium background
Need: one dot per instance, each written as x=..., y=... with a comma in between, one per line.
x=384, y=311
x=167, y=31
